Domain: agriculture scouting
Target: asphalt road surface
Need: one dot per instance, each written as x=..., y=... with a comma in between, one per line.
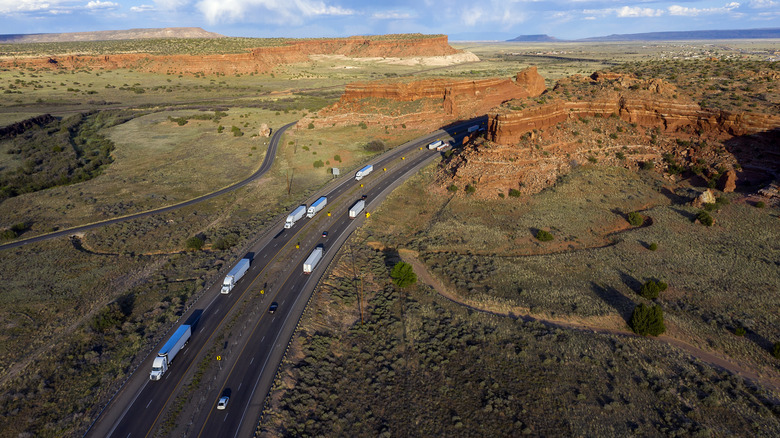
x=250, y=365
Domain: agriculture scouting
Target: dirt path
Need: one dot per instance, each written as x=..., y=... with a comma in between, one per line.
x=613, y=325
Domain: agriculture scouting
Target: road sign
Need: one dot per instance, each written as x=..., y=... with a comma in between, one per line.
x=219, y=357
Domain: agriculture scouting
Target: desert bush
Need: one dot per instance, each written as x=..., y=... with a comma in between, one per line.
x=8, y=235
x=403, y=275
x=318, y=164
x=620, y=155
x=470, y=189
x=311, y=125
x=740, y=331
x=544, y=236
x=650, y=289
x=194, y=243
x=226, y=242
x=648, y=165
x=647, y=320
x=452, y=188
x=375, y=146
x=653, y=246
x=776, y=350
x=337, y=158
x=236, y=131
x=704, y=218
x=514, y=193
x=760, y=204
x=636, y=219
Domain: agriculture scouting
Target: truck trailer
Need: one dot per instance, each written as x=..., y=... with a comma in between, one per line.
x=169, y=351
x=356, y=209
x=473, y=128
x=435, y=144
x=312, y=260
x=317, y=206
x=235, y=274
x=295, y=216
x=363, y=172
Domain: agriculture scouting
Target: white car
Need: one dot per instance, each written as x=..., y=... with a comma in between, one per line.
x=222, y=403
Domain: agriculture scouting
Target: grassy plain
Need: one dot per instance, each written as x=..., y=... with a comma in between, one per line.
x=512, y=373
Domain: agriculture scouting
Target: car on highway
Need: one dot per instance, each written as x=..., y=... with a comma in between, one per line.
x=364, y=197
x=222, y=403
x=324, y=234
x=272, y=308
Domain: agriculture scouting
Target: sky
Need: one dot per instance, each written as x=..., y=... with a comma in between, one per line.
x=460, y=19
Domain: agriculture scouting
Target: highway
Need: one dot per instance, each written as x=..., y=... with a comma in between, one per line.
x=137, y=410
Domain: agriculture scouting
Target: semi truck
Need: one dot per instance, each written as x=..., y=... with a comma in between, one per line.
x=435, y=144
x=363, y=172
x=235, y=274
x=312, y=260
x=295, y=216
x=171, y=348
x=356, y=209
x=317, y=206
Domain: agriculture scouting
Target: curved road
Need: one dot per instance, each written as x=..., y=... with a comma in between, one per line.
x=264, y=167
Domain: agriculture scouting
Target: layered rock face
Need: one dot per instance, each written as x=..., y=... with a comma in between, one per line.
x=257, y=60
x=648, y=103
x=436, y=101
x=617, y=120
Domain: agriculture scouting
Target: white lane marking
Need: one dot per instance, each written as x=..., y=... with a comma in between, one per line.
x=239, y=386
x=250, y=362
x=150, y=402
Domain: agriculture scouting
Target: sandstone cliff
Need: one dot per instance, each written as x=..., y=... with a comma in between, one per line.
x=428, y=103
x=618, y=120
x=257, y=60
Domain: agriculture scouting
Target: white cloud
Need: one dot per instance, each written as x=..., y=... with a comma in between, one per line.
x=142, y=8
x=11, y=6
x=281, y=11
x=763, y=4
x=391, y=15
x=636, y=11
x=97, y=4
x=694, y=12
x=171, y=5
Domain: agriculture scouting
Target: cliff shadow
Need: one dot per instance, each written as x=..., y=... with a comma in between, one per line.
x=615, y=299
x=758, y=156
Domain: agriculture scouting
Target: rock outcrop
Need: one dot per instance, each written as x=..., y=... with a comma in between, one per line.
x=427, y=102
x=257, y=60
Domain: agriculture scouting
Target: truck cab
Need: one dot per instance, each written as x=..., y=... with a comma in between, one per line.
x=159, y=367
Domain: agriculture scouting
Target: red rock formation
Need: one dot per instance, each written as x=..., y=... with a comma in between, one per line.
x=257, y=60
x=443, y=100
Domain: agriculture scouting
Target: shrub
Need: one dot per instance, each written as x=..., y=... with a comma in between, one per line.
x=337, y=158
x=403, y=275
x=8, y=235
x=651, y=289
x=194, y=243
x=363, y=125
x=318, y=164
x=740, y=331
x=236, y=131
x=653, y=246
x=220, y=128
x=544, y=236
x=226, y=242
x=636, y=219
x=514, y=193
x=311, y=125
x=760, y=204
x=470, y=189
x=593, y=159
x=647, y=320
x=776, y=350
x=648, y=165
x=620, y=155
x=705, y=219
x=452, y=188
x=375, y=146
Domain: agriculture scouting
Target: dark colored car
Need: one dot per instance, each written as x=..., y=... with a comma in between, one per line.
x=273, y=307
x=364, y=197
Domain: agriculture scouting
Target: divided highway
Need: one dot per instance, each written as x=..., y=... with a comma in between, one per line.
x=251, y=365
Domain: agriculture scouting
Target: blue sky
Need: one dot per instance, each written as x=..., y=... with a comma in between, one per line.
x=462, y=20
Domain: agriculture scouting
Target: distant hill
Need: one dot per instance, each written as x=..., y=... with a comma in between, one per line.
x=106, y=35
x=692, y=35
x=535, y=38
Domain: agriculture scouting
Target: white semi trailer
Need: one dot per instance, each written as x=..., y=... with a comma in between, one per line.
x=171, y=348
x=312, y=260
x=363, y=172
x=317, y=206
x=234, y=275
x=295, y=216
x=356, y=209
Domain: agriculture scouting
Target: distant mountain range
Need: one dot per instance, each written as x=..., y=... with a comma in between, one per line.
x=105, y=35
x=668, y=36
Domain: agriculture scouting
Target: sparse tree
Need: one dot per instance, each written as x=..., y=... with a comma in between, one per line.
x=647, y=320
x=403, y=275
